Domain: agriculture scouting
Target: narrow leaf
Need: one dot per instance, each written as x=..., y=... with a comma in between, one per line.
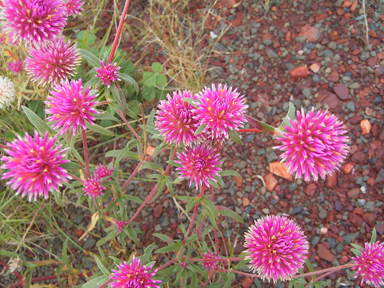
x=36, y=121
x=200, y=129
x=99, y=129
x=191, y=101
x=129, y=79
x=229, y=173
x=91, y=58
x=101, y=266
x=235, y=136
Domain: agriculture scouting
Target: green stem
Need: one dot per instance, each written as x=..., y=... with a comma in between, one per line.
x=263, y=127
x=85, y=147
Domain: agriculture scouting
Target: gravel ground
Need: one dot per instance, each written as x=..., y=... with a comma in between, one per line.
x=314, y=53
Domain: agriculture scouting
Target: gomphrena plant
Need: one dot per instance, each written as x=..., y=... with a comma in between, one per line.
x=191, y=127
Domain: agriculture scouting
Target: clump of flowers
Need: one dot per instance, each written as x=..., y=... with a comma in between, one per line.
x=71, y=107
x=15, y=66
x=314, y=146
x=35, y=22
x=220, y=108
x=277, y=248
x=134, y=274
x=34, y=166
x=7, y=92
x=93, y=187
x=53, y=63
x=107, y=73
x=199, y=164
x=176, y=120
x=103, y=171
x=370, y=265
x=74, y=7
x=120, y=224
x=209, y=260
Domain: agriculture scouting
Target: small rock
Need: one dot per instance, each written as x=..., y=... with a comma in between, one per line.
x=89, y=243
x=323, y=230
x=158, y=210
x=270, y=182
x=380, y=228
x=333, y=77
x=265, y=211
x=247, y=282
x=323, y=214
x=350, y=106
x=353, y=193
x=341, y=91
x=238, y=181
x=245, y=201
x=347, y=168
x=311, y=189
x=380, y=176
x=355, y=219
x=372, y=61
x=279, y=169
x=370, y=218
x=331, y=181
x=315, y=67
x=338, y=206
x=358, y=157
x=297, y=210
x=312, y=34
x=272, y=54
x=324, y=253
x=326, y=97
x=365, y=126
x=299, y=72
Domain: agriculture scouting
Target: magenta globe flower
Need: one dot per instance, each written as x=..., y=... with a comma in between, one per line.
x=70, y=106
x=103, y=171
x=93, y=187
x=108, y=73
x=276, y=248
x=199, y=164
x=120, y=224
x=370, y=265
x=73, y=7
x=220, y=109
x=34, y=166
x=34, y=21
x=134, y=275
x=15, y=66
x=314, y=146
x=176, y=121
x=53, y=63
x=209, y=260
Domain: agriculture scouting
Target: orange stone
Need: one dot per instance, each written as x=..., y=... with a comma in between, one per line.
x=247, y=282
x=365, y=126
x=347, y=168
x=315, y=67
x=150, y=150
x=299, y=72
x=238, y=181
x=245, y=201
x=279, y=169
x=270, y=182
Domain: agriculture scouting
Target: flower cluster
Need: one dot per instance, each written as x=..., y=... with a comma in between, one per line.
x=73, y=7
x=277, y=248
x=15, y=66
x=120, y=224
x=209, y=260
x=7, y=92
x=315, y=145
x=34, y=166
x=134, y=274
x=93, y=185
x=107, y=73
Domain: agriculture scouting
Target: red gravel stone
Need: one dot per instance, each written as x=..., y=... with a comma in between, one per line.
x=353, y=193
x=355, y=219
x=311, y=33
x=358, y=157
x=270, y=182
x=311, y=189
x=370, y=218
x=324, y=253
x=326, y=97
x=334, y=77
x=371, y=61
x=341, y=91
x=158, y=210
x=331, y=181
x=247, y=282
x=299, y=72
x=347, y=168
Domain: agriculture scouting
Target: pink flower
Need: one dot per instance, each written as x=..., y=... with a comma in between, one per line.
x=120, y=224
x=314, y=145
x=220, y=108
x=107, y=73
x=103, y=171
x=53, y=63
x=70, y=106
x=209, y=260
x=276, y=248
x=93, y=187
x=15, y=66
x=134, y=275
x=34, y=166
x=34, y=21
x=176, y=121
x=370, y=265
x=199, y=164
x=73, y=7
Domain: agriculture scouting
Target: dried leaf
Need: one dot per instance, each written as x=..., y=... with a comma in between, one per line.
x=91, y=225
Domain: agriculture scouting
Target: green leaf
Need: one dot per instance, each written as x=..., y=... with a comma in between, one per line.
x=149, y=79
x=172, y=162
x=157, y=67
x=106, y=116
x=161, y=81
x=149, y=93
x=163, y=237
x=151, y=117
x=147, y=252
x=228, y=212
x=357, y=252
x=191, y=101
x=123, y=153
x=93, y=283
x=229, y=173
x=290, y=116
x=150, y=129
x=36, y=121
x=91, y=58
x=213, y=183
x=200, y=129
x=104, y=240
x=71, y=166
x=101, y=266
x=93, y=82
x=158, y=149
x=235, y=136
x=268, y=129
x=170, y=186
x=99, y=129
x=133, y=198
x=169, y=248
x=310, y=268
x=373, y=237
x=153, y=166
x=129, y=79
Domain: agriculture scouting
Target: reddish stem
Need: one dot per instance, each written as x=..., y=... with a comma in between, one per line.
x=214, y=260
x=85, y=147
x=14, y=272
x=248, y=130
x=4, y=147
x=190, y=224
x=167, y=264
x=132, y=175
x=214, y=229
x=116, y=41
x=129, y=126
x=149, y=197
x=75, y=177
x=44, y=278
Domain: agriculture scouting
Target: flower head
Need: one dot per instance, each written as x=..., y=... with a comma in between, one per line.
x=34, y=21
x=220, y=109
x=120, y=224
x=70, y=106
x=176, y=121
x=314, y=145
x=34, y=166
x=107, y=73
x=209, y=260
x=276, y=248
x=93, y=187
x=370, y=265
x=15, y=66
x=73, y=7
x=199, y=164
x=7, y=92
x=103, y=171
x=53, y=63
x=134, y=275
